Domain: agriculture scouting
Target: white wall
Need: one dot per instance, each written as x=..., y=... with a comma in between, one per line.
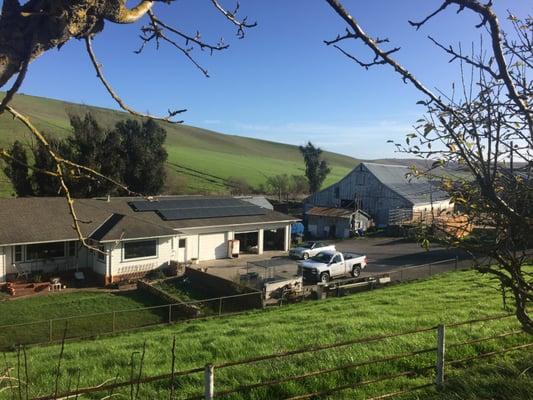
x=2, y=264
x=116, y=265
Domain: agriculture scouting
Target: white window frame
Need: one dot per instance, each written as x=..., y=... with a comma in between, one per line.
x=14, y=255
x=123, y=255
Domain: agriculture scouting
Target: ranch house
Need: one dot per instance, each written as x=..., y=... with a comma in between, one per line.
x=134, y=235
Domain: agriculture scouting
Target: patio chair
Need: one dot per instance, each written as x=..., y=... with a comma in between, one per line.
x=21, y=272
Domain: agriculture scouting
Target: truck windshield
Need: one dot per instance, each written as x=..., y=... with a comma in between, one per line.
x=322, y=257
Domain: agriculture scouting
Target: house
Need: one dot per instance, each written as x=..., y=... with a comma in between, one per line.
x=336, y=222
x=385, y=192
x=134, y=235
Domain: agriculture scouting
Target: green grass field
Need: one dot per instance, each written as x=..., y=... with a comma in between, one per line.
x=31, y=315
x=448, y=298
x=208, y=152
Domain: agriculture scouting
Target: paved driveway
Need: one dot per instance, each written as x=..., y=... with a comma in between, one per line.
x=384, y=255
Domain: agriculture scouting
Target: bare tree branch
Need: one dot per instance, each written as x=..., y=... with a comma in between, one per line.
x=231, y=16
x=116, y=97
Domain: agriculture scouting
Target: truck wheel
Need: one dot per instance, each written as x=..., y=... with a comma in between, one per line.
x=305, y=256
x=324, y=277
x=356, y=271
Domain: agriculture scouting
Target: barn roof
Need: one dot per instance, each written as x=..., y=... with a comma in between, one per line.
x=415, y=189
x=335, y=212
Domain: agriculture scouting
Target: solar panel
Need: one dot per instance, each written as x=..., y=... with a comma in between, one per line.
x=215, y=212
x=178, y=204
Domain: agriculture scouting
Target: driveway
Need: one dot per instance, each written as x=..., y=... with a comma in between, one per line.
x=384, y=255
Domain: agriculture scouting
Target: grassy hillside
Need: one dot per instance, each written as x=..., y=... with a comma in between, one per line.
x=203, y=158
x=448, y=298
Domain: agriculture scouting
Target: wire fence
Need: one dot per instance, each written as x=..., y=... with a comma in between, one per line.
x=91, y=325
x=425, y=365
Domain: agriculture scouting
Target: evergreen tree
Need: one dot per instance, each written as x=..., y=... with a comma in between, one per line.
x=16, y=170
x=316, y=169
x=144, y=155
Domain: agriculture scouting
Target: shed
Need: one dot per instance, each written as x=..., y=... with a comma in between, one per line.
x=325, y=222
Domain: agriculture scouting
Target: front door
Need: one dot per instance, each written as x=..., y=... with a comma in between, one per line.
x=337, y=266
x=182, y=250
x=2, y=265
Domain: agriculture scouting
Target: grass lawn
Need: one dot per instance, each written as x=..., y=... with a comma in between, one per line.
x=448, y=298
x=34, y=314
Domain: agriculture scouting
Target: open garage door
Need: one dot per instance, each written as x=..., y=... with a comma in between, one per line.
x=274, y=239
x=248, y=241
x=212, y=246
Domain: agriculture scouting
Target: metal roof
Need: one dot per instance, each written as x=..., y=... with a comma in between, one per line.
x=417, y=190
x=335, y=212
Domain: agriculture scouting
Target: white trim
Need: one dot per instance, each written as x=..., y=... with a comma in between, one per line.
x=247, y=223
x=134, y=239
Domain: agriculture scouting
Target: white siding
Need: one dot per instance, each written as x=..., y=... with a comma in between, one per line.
x=2, y=264
x=117, y=265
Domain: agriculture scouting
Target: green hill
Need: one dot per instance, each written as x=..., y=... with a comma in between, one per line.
x=198, y=158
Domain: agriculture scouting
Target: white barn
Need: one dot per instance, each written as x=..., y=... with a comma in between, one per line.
x=385, y=192
x=135, y=235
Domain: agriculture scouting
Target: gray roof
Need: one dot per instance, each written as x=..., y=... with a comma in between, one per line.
x=417, y=190
x=47, y=219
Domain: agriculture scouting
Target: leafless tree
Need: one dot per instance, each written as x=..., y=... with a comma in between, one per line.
x=29, y=29
x=483, y=125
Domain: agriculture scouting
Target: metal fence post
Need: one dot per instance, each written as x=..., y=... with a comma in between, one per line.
x=220, y=307
x=209, y=382
x=50, y=331
x=441, y=350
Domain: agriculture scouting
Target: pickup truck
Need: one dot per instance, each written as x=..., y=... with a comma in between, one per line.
x=329, y=264
x=310, y=249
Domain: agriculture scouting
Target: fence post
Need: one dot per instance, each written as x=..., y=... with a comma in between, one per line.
x=441, y=350
x=170, y=313
x=50, y=331
x=220, y=307
x=114, y=321
x=209, y=382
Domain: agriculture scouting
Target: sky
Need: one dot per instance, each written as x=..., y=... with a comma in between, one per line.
x=279, y=83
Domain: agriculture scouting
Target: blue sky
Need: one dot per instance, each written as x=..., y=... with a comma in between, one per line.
x=281, y=82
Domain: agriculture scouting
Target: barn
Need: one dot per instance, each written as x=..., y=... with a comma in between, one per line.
x=385, y=192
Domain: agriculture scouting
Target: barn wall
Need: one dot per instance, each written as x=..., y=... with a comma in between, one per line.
x=322, y=226
x=374, y=197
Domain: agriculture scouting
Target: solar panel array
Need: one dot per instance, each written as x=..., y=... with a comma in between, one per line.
x=199, y=208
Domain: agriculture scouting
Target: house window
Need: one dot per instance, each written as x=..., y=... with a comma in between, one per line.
x=45, y=250
x=71, y=249
x=182, y=243
x=17, y=254
x=100, y=254
x=337, y=192
x=140, y=249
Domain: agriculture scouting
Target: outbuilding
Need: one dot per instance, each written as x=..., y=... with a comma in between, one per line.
x=385, y=192
x=332, y=222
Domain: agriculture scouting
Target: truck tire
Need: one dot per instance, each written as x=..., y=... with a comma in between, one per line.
x=356, y=271
x=324, y=277
x=305, y=256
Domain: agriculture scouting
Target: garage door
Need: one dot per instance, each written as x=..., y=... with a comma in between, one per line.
x=212, y=246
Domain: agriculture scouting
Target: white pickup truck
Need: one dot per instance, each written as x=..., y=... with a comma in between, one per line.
x=310, y=249
x=332, y=264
